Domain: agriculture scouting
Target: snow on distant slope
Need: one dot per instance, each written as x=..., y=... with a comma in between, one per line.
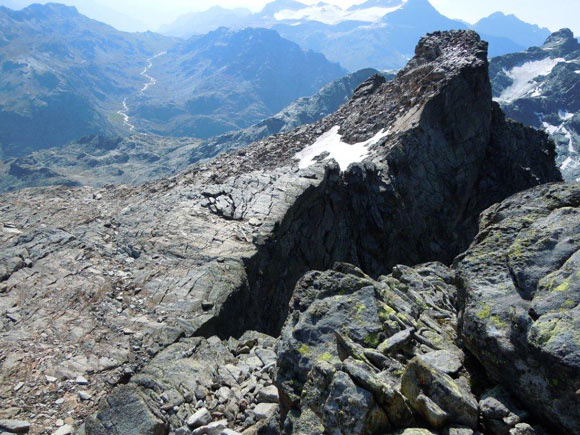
x=331, y=14
x=331, y=146
x=523, y=77
x=565, y=115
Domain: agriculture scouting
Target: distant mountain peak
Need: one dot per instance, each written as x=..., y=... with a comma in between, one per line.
x=418, y=4
x=500, y=14
x=50, y=10
x=417, y=8
x=562, y=39
x=522, y=33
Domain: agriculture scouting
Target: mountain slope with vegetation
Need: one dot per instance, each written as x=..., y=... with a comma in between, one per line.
x=228, y=80
x=65, y=76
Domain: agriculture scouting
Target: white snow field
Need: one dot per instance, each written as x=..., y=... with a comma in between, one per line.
x=333, y=14
x=523, y=78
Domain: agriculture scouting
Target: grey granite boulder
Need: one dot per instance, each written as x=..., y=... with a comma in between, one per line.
x=126, y=411
x=519, y=292
x=499, y=412
x=437, y=397
x=339, y=319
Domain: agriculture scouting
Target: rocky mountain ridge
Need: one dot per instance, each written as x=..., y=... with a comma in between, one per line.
x=106, y=293
x=540, y=87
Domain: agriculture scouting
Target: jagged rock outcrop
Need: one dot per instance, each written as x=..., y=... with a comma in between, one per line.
x=519, y=296
x=96, y=283
x=346, y=328
x=392, y=346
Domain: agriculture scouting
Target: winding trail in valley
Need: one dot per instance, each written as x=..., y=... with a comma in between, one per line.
x=152, y=81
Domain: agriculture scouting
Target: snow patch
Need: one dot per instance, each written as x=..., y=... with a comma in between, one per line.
x=550, y=129
x=568, y=136
x=344, y=153
x=566, y=163
x=561, y=129
x=565, y=115
x=523, y=77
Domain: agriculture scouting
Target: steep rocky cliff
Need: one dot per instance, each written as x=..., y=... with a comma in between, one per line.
x=104, y=283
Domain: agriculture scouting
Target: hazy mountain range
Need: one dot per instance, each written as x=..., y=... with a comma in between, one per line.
x=378, y=33
x=65, y=76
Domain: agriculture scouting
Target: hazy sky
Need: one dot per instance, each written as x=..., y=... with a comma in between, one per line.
x=553, y=14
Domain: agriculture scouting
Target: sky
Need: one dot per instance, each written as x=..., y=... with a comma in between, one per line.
x=151, y=14
x=553, y=14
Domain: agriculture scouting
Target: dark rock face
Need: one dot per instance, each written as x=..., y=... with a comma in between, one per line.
x=218, y=249
x=519, y=293
x=422, y=188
